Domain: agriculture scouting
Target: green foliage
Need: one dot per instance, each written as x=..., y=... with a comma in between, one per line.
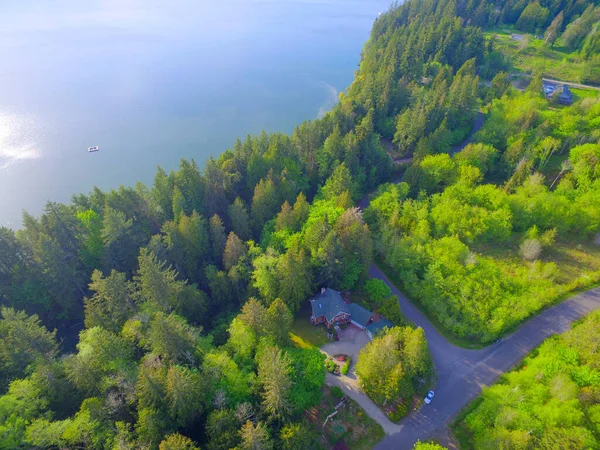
x=402, y=408
x=545, y=402
x=346, y=366
x=111, y=305
x=308, y=376
x=274, y=375
x=163, y=260
x=337, y=392
x=377, y=290
x=390, y=363
x=428, y=446
x=533, y=18
x=24, y=341
x=297, y=436
x=176, y=441
x=390, y=309
x=255, y=436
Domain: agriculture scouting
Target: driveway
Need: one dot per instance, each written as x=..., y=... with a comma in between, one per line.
x=352, y=340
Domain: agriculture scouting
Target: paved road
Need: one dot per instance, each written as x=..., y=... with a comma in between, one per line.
x=462, y=373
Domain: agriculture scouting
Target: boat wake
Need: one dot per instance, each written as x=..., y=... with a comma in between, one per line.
x=331, y=100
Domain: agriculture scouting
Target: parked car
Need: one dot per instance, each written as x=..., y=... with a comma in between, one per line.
x=429, y=397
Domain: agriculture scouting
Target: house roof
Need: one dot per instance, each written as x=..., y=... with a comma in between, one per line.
x=359, y=314
x=566, y=93
x=376, y=327
x=328, y=304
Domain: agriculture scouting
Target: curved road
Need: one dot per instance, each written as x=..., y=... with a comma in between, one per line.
x=462, y=372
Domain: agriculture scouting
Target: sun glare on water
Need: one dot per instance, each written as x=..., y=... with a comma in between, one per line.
x=19, y=139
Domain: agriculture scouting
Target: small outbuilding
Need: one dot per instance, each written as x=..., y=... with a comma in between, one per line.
x=377, y=327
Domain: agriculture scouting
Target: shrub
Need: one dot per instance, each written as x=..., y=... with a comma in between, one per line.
x=377, y=290
x=346, y=366
x=530, y=249
x=330, y=365
x=400, y=411
x=337, y=392
x=390, y=309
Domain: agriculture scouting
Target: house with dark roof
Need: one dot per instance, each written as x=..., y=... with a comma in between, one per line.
x=329, y=308
x=566, y=96
x=377, y=327
x=360, y=316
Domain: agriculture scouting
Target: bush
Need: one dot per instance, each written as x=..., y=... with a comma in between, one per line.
x=530, y=249
x=330, y=365
x=377, y=290
x=390, y=309
x=346, y=367
x=400, y=411
x=337, y=392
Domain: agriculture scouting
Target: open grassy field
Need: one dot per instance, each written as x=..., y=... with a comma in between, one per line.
x=351, y=425
x=529, y=54
x=306, y=335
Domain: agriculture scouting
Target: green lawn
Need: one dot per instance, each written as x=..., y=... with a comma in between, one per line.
x=532, y=55
x=306, y=335
x=350, y=425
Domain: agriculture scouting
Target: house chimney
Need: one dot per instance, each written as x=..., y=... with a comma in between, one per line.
x=323, y=290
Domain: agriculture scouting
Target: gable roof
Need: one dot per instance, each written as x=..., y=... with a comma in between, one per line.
x=359, y=314
x=376, y=327
x=328, y=304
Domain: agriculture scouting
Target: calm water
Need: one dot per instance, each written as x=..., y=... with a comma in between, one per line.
x=151, y=83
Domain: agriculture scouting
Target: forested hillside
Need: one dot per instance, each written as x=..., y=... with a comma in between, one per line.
x=184, y=292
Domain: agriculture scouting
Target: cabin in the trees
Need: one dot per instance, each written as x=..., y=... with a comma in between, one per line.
x=329, y=308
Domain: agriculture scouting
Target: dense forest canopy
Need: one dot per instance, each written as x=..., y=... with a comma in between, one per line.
x=184, y=292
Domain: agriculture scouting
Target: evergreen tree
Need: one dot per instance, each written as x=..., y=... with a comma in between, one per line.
x=273, y=373
x=255, y=437
x=240, y=219
x=279, y=322
x=23, y=341
x=234, y=250
x=157, y=285
x=111, y=305
x=176, y=441
x=217, y=237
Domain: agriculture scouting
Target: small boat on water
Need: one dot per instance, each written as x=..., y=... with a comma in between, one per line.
x=95, y=148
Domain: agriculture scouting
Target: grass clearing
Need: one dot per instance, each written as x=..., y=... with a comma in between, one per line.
x=306, y=335
x=529, y=54
x=351, y=425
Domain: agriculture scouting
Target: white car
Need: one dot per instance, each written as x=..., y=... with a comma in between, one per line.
x=429, y=397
